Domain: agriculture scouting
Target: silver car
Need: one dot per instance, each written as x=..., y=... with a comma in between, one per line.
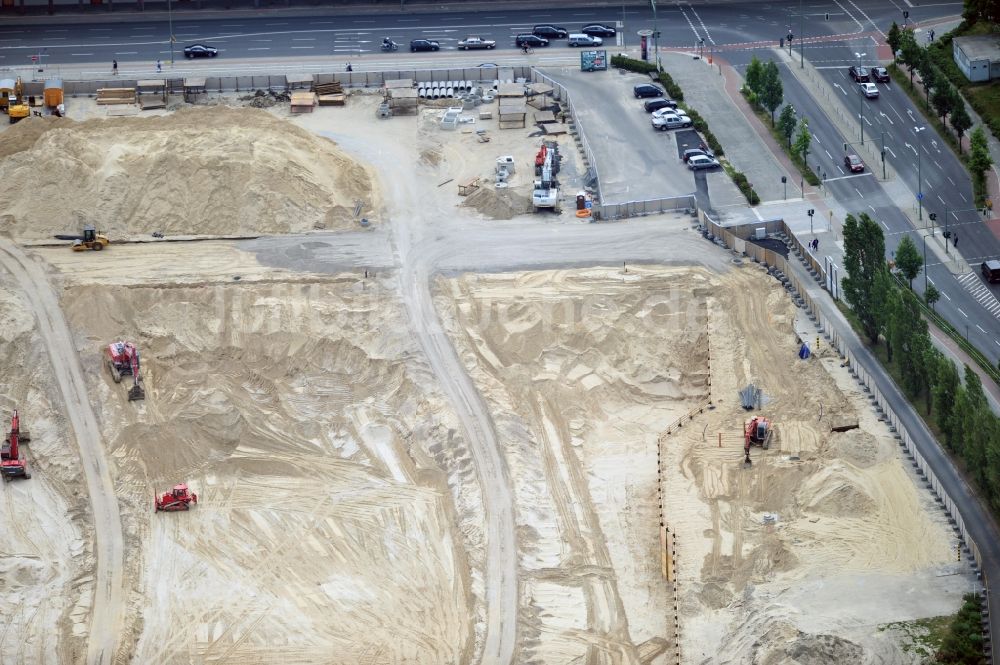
x=698, y=162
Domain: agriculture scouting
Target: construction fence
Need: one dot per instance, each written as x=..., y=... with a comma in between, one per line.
x=734, y=238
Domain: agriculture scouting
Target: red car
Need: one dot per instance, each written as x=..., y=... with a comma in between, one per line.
x=854, y=164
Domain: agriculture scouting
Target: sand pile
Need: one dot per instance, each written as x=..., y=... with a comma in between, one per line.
x=503, y=203
x=199, y=171
x=299, y=415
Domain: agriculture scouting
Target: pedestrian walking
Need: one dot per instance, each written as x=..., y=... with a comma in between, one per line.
x=816, y=245
x=114, y=68
x=159, y=66
x=955, y=239
x=349, y=68
x=932, y=35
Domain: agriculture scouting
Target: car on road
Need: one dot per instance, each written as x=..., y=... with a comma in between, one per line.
x=870, y=90
x=669, y=121
x=473, y=42
x=550, y=31
x=200, y=51
x=880, y=74
x=488, y=65
x=859, y=74
x=658, y=104
x=530, y=40
x=991, y=270
x=584, y=40
x=646, y=90
x=699, y=162
x=695, y=152
x=598, y=30
x=854, y=164
x=424, y=45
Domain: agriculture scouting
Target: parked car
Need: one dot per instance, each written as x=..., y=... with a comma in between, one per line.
x=550, y=31
x=699, y=162
x=584, y=40
x=658, y=104
x=694, y=152
x=677, y=112
x=665, y=122
x=854, y=164
x=991, y=270
x=200, y=51
x=598, y=30
x=880, y=74
x=530, y=40
x=870, y=90
x=859, y=74
x=646, y=90
x=424, y=45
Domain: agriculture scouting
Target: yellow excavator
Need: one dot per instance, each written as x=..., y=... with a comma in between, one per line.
x=17, y=104
x=90, y=239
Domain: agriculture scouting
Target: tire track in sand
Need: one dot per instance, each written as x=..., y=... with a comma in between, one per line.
x=107, y=609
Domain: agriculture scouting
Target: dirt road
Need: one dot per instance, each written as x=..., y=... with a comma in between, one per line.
x=108, y=601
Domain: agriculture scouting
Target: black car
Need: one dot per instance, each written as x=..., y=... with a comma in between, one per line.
x=424, y=45
x=659, y=103
x=859, y=74
x=646, y=90
x=530, y=40
x=200, y=51
x=598, y=30
x=550, y=32
x=880, y=74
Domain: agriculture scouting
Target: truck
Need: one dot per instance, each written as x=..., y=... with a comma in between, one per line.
x=473, y=42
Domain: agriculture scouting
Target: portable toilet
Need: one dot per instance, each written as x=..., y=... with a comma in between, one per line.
x=53, y=93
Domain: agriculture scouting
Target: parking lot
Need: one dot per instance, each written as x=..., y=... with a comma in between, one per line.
x=635, y=161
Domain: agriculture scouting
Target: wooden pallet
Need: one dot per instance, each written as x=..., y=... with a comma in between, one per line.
x=115, y=96
x=334, y=88
x=332, y=100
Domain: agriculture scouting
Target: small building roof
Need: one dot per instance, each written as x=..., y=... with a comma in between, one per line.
x=6, y=84
x=540, y=88
x=53, y=84
x=394, y=84
x=513, y=106
x=403, y=93
x=194, y=83
x=510, y=90
x=980, y=47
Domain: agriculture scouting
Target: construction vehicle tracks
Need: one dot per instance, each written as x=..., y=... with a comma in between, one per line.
x=108, y=600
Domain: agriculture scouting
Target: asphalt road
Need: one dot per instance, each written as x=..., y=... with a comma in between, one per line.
x=90, y=38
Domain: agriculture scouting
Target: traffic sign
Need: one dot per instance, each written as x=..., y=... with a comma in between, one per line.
x=920, y=196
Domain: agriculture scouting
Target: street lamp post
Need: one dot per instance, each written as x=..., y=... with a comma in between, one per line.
x=802, y=41
x=656, y=36
x=170, y=28
x=920, y=187
x=861, y=106
x=925, y=264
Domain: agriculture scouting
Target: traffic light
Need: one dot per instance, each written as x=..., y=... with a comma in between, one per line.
x=933, y=216
x=906, y=14
x=845, y=147
x=790, y=37
x=811, y=212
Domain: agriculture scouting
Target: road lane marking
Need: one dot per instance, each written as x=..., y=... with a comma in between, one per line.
x=981, y=328
x=961, y=312
x=859, y=192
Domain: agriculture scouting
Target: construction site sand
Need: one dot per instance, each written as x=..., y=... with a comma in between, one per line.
x=583, y=369
x=215, y=170
x=300, y=414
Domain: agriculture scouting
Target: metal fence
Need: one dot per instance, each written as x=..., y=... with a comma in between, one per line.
x=732, y=239
x=610, y=211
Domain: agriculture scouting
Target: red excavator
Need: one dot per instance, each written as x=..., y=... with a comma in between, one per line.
x=122, y=359
x=12, y=465
x=179, y=498
x=757, y=432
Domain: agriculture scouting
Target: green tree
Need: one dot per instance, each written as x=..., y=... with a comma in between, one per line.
x=787, y=122
x=979, y=160
x=929, y=77
x=910, y=51
x=945, y=390
x=864, y=257
x=893, y=39
x=771, y=93
x=908, y=259
x=885, y=296
x=803, y=138
x=754, y=78
x=960, y=120
x=931, y=295
x=963, y=643
x=944, y=99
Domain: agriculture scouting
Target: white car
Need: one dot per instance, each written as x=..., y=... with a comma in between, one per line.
x=669, y=121
x=699, y=162
x=668, y=111
x=870, y=90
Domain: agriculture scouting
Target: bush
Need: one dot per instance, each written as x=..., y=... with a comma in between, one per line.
x=632, y=65
x=702, y=126
x=963, y=643
x=744, y=185
x=672, y=88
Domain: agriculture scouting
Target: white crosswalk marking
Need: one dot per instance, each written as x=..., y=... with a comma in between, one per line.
x=970, y=282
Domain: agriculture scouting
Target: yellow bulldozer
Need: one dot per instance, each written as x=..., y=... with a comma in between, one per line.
x=17, y=104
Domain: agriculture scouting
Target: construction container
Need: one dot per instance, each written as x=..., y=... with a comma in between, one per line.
x=53, y=94
x=6, y=90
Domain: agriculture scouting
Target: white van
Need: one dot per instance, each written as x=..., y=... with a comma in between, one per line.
x=584, y=40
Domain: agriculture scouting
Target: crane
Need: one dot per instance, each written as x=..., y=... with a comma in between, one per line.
x=546, y=190
x=12, y=465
